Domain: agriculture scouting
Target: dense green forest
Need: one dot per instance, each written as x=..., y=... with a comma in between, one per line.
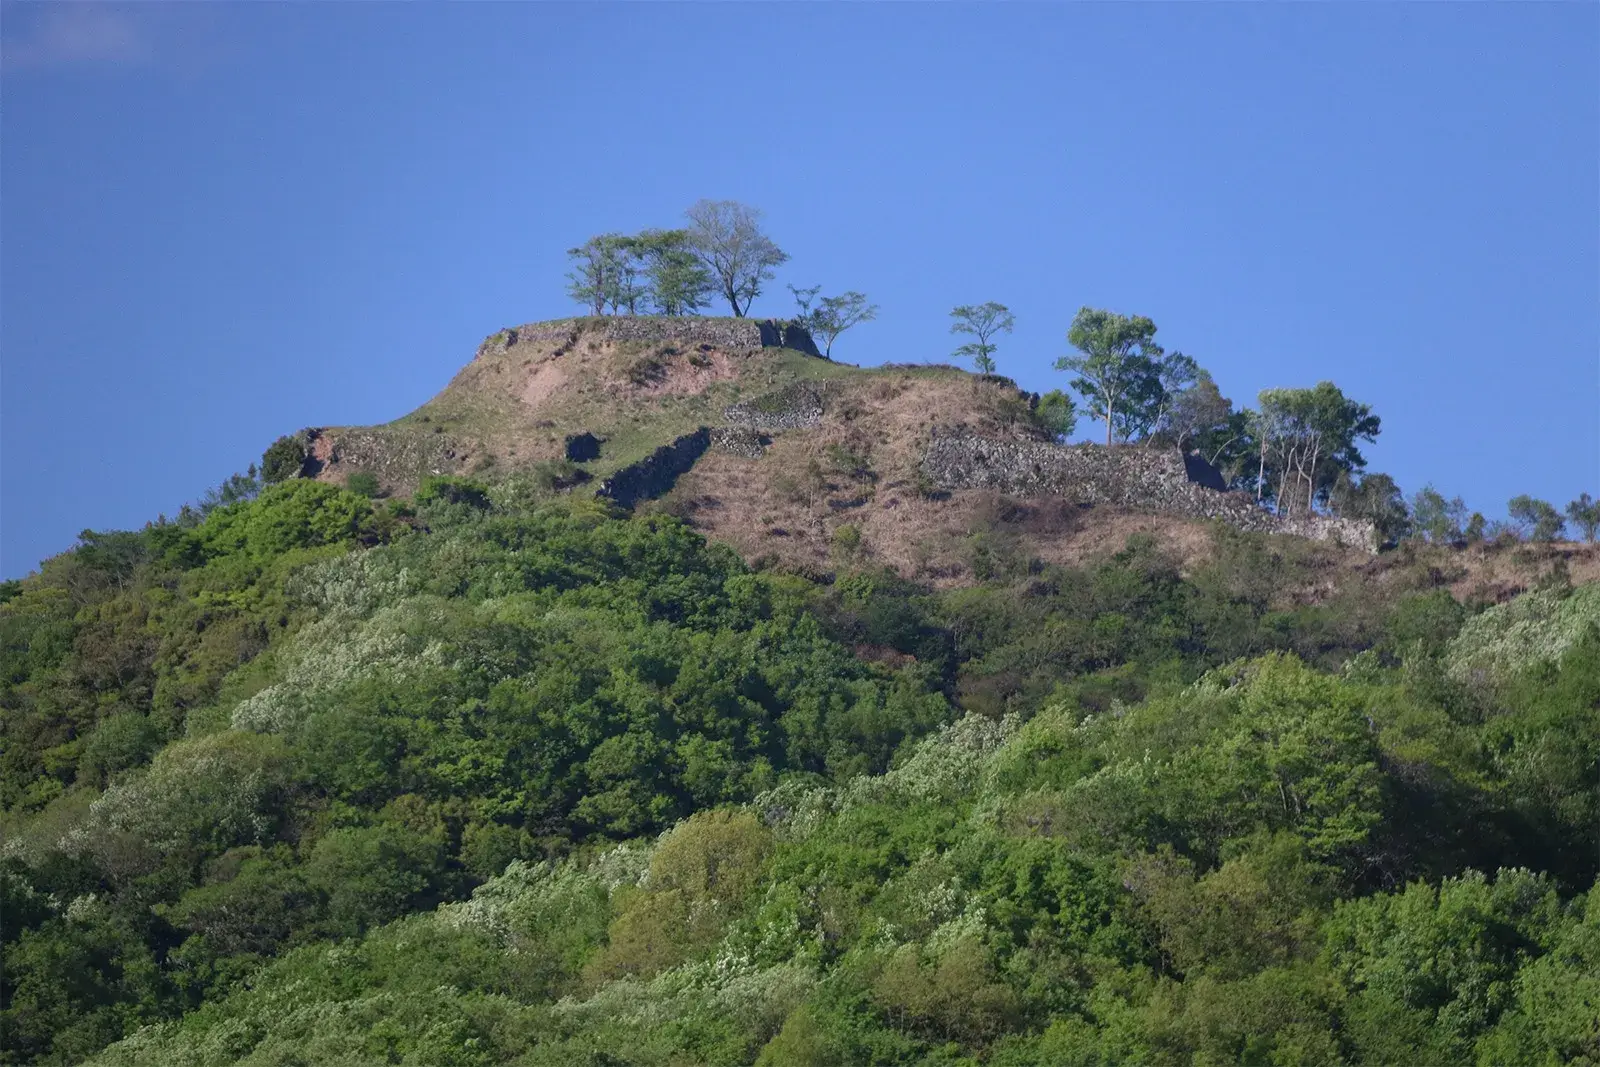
x=482, y=777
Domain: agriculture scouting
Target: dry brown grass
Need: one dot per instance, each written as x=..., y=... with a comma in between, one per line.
x=861, y=467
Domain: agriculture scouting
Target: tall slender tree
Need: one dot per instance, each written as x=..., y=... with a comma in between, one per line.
x=983, y=322
x=1307, y=437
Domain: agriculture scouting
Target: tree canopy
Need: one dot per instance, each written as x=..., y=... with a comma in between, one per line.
x=982, y=322
x=727, y=238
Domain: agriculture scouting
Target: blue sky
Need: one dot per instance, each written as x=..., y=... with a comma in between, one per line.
x=220, y=223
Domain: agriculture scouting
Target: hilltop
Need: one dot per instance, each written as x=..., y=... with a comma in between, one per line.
x=741, y=428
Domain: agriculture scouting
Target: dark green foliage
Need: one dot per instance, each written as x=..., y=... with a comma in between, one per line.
x=305, y=778
x=1585, y=515
x=363, y=483
x=284, y=459
x=1538, y=520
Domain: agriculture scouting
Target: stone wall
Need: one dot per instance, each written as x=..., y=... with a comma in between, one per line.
x=657, y=473
x=794, y=407
x=728, y=334
x=1140, y=479
x=740, y=441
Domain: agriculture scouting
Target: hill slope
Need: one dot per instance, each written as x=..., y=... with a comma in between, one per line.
x=819, y=465
x=495, y=773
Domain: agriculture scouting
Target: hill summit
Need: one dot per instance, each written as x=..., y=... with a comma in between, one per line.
x=741, y=427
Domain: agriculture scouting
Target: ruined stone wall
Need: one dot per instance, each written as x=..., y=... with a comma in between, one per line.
x=794, y=407
x=658, y=472
x=1140, y=479
x=739, y=441
x=728, y=334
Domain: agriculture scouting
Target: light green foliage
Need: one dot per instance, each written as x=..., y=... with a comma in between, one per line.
x=1437, y=519
x=1584, y=513
x=832, y=315
x=476, y=780
x=1119, y=370
x=1308, y=438
x=1057, y=414
x=1535, y=628
x=982, y=321
x=911, y=916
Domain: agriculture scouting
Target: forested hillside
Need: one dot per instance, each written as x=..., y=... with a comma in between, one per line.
x=494, y=776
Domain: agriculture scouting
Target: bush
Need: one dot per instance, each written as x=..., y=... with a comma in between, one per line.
x=364, y=483
x=285, y=458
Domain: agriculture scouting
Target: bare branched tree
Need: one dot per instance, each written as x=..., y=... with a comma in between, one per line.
x=726, y=236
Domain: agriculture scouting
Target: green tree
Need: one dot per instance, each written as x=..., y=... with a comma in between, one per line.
x=1309, y=436
x=835, y=314
x=1375, y=498
x=603, y=273
x=1198, y=418
x=1536, y=519
x=677, y=282
x=1127, y=378
x=982, y=321
x=726, y=237
x=284, y=458
x=1057, y=414
x=1436, y=519
x=1585, y=515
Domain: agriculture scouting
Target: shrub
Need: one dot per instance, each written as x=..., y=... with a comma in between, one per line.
x=285, y=458
x=364, y=483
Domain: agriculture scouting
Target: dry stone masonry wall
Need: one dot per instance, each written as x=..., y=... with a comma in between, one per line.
x=740, y=441
x=656, y=473
x=1142, y=479
x=794, y=407
x=730, y=335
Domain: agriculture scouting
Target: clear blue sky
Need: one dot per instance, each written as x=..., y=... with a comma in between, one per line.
x=220, y=223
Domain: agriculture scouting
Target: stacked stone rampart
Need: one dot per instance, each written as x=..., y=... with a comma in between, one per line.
x=739, y=441
x=727, y=334
x=1135, y=478
x=658, y=472
x=794, y=407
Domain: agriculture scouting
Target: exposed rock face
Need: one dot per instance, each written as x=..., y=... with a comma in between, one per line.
x=656, y=473
x=1143, y=479
x=395, y=458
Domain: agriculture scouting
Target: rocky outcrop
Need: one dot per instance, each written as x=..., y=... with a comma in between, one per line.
x=395, y=458
x=657, y=473
x=1140, y=479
